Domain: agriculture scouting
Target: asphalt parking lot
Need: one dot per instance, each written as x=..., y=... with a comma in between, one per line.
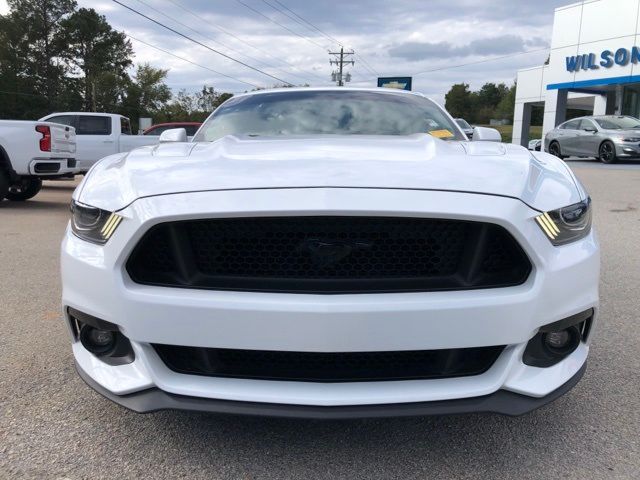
x=53, y=426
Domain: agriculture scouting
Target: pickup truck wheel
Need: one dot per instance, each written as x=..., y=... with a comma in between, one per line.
x=24, y=190
x=4, y=185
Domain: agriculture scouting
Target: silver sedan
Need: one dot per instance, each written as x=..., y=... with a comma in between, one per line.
x=606, y=137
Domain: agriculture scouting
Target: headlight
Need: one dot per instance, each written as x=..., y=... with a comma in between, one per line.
x=622, y=138
x=567, y=224
x=93, y=224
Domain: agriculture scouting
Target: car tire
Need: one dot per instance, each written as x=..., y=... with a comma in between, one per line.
x=4, y=185
x=607, y=152
x=554, y=149
x=26, y=189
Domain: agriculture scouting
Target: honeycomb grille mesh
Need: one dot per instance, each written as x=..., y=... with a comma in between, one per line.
x=328, y=367
x=328, y=255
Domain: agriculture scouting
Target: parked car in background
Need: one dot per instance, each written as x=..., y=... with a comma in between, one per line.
x=535, y=144
x=331, y=252
x=31, y=152
x=607, y=138
x=190, y=127
x=466, y=128
x=99, y=135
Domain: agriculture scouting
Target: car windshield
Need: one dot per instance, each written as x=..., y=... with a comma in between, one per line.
x=328, y=112
x=462, y=123
x=618, y=123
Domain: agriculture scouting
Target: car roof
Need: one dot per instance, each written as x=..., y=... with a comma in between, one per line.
x=331, y=89
x=91, y=114
x=595, y=117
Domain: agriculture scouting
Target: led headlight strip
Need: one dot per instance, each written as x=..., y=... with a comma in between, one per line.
x=548, y=225
x=110, y=225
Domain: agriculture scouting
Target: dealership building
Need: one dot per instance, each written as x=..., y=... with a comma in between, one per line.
x=594, y=66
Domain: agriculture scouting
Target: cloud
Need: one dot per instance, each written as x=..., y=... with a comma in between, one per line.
x=401, y=37
x=502, y=45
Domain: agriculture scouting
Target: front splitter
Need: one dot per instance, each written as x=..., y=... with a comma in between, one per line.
x=501, y=402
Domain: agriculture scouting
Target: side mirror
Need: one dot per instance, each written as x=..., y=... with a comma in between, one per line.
x=173, y=135
x=484, y=134
x=590, y=129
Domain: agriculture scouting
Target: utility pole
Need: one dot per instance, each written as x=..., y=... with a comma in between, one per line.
x=340, y=61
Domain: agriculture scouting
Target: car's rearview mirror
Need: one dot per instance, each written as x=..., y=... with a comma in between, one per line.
x=484, y=134
x=173, y=135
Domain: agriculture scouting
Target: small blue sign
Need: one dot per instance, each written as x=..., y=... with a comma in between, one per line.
x=608, y=58
x=402, y=83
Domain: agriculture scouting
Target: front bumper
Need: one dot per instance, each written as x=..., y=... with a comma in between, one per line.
x=564, y=282
x=502, y=402
x=629, y=150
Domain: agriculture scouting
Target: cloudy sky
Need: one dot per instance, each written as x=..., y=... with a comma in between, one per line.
x=438, y=42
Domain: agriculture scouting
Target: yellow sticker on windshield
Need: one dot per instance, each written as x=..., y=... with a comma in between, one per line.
x=441, y=133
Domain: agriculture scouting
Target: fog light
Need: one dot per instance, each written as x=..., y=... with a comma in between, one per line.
x=98, y=342
x=557, y=340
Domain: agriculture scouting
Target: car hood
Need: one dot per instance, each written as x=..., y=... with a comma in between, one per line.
x=418, y=161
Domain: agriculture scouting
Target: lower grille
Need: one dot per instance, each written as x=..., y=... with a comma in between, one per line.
x=328, y=255
x=329, y=367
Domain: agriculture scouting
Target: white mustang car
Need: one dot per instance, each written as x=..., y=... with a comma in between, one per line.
x=331, y=253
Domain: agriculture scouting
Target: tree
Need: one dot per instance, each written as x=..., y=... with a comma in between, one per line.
x=193, y=107
x=458, y=101
x=32, y=51
x=491, y=101
x=146, y=94
x=97, y=52
x=208, y=99
x=56, y=57
x=490, y=95
x=507, y=104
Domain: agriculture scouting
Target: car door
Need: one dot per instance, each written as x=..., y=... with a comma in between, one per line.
x=587, y=139
x=568, y=137
x=95, y=139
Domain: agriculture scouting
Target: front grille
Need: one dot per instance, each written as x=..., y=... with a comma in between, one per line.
x=329, y=367
x=328, y=255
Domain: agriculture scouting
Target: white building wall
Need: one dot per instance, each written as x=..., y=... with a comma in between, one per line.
x=586, y=27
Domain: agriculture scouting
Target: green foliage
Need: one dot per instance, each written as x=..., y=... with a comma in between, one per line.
x=96, y=52
x=491, y=101
x=458, y=100
x=192, y=107
x=32, y=51
x=56, y=57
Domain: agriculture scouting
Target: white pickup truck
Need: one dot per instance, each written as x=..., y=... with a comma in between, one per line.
x=31, y=152
x=99, y=135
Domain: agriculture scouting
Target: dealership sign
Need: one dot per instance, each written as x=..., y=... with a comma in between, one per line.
x=606, y=59
x=403, y=83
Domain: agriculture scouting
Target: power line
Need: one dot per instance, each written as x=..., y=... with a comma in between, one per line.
x=191, y=62
x=202, y=44
x=213, y=39
x=24, y=94
x=314, y=27
x=481, y=61
x=309, y=23
x=264, y=52
x=287, y=15
x=280, y=25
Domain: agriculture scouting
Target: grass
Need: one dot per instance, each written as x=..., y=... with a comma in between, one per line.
x=506, y=131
